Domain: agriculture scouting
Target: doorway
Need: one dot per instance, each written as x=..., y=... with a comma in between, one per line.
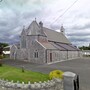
x=50, y=57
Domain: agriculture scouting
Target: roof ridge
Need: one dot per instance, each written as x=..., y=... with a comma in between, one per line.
x=33, y=24
x=51, y=29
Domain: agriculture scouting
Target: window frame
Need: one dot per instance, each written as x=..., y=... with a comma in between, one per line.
x=36, y=54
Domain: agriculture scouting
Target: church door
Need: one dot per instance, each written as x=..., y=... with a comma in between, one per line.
x=50, y=57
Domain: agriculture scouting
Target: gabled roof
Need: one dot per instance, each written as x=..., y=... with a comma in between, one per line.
x=23, y=32
x=58, y=47
x=67, y=46
x=56, y=36
x=74, y=47
x=47, y=45
x=33, y=28
x=52, y=35
x=17, y=45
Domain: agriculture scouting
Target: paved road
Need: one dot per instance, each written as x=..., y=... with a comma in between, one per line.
x=79, y=66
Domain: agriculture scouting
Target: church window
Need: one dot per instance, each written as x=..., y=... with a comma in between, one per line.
x=23, y=42
x=36, y=54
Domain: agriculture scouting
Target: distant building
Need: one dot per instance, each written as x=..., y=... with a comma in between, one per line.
x=39, y=44
x=86, y=52
x=6, y=51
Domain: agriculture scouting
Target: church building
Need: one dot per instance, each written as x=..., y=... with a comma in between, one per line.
x=39, y=44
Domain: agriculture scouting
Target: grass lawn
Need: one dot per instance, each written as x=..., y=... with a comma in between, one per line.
x=16, y=74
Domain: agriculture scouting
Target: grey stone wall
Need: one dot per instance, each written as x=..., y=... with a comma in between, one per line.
x=21, y=54
x=55, y=84
x=58, y=55
x=13, y=50
x=73, y=54
x=64, y=55
x=34, y=46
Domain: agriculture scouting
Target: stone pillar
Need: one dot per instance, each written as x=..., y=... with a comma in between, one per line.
x=71, y=81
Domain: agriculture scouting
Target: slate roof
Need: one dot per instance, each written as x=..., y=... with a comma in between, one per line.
x=58, y=47
x=51, y=34
x=33, y=28
x=67, y=46
x=47, y=45
x=56, y=36
x=74, y=47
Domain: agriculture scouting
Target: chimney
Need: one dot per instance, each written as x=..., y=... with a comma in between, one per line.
x=41, y=24
x=41, y=27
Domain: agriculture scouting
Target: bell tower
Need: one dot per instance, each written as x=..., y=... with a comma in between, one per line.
x=62, y=29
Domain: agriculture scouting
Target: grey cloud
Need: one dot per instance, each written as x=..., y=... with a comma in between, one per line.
x=21, y=13
x=6, y=38
x=79, y=40
x=9, y=28
x=10, y=35
x=55, y=27
x=3, y=23
x=80, y=27
x=80, y=43
x=34, y=14
x=78, y=34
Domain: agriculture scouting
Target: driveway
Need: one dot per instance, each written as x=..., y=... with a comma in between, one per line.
x=79, y=66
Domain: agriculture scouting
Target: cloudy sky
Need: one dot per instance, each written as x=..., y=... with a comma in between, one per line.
x=16, y=13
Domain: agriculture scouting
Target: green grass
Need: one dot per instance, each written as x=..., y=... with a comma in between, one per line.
x=16, y=74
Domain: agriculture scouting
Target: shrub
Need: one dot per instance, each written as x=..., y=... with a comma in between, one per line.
x=1, y=56
x=0, y=64
x=56, y=74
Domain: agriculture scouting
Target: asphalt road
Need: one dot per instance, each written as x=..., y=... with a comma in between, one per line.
x=79, y=66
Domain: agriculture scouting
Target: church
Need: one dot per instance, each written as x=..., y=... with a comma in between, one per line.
x=41, y=45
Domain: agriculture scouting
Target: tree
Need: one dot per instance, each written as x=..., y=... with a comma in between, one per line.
x=2, y=45
x=85, y=48
x=1, y=50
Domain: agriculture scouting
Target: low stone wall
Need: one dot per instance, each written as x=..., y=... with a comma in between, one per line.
x=55, y=84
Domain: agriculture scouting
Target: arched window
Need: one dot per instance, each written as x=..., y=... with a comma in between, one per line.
x=36, y=54
x=23, y=42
